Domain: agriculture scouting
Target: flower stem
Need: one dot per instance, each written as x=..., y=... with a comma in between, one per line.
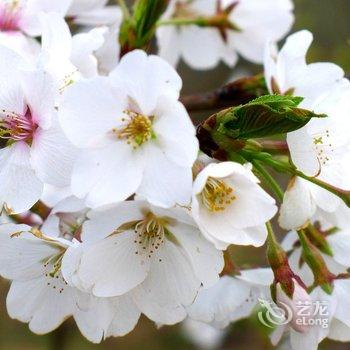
x=275, y=187
x=199, y=21
x=311, y=255
x=285, y=167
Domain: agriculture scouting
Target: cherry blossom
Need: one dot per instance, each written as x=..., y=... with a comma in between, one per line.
x=33, y=148
x=239, y=27
x=230, y=207
x=136, y=133
x=158, y=255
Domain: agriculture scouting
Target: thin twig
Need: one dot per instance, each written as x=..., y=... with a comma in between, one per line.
x=232, y=94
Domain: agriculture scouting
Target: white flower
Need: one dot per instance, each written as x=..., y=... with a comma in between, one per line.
x=33, y=265
x=20, y=23
x=288, y=72
x=303, y=201
x=158, y=255
x=230, y=207
x=231, y=298
x=41, y=296
x=68, y=58
x=33, y=150
x=134, y=134
x=253, y=23
x=93, y=13
x=319, y=149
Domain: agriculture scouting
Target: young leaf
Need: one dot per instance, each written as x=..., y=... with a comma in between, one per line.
x=265, y=116
x=138, y=30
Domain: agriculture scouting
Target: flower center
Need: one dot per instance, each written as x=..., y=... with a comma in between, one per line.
x=150, y=233
x=216, y=195
x=53, y=276
x=323, y=147
x=9, y=15
x=15, y=127
x=137, y=129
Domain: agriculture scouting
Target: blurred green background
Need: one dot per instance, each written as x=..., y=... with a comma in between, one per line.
x=329, y=21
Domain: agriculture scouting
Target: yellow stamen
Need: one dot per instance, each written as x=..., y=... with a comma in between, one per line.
x=217, y=195
x=138, y=129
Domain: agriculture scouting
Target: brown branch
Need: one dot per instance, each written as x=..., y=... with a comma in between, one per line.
x=41, y=209
x=232, y=94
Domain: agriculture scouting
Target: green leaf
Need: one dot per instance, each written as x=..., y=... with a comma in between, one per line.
x=265, y=116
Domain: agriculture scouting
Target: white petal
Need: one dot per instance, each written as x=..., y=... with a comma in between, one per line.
x=201, y=47
x=171, y=283
x=111, y=266
x=164, y=183
x=175, y=132
x=30, y=22
x=11, y=94
x=341, y=290
x=97, y=17
x=22, y=257
x=298, y=206
x=56, y=39
x=20, y=187
x=89, y=111
x=84, y=45
x=53, y=156
x=107, y=175
x=104, y=221
x=137, y=72
x=340, y=245
x=38, y=303
x=307, y=340
x=169, y=44
x=207, y=261
x=126, y=317
x=94, y=320
x=220, y=301
x=339, y=331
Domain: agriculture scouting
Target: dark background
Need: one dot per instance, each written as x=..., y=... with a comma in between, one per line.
x=329, y=21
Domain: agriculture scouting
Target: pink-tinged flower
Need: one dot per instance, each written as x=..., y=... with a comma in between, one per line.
x=292, y=304
x=19, y=23
x=33, y=149
x=23, y=15
x=329, y=318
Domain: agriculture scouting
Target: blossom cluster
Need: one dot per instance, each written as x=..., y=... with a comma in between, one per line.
x=111, y=208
